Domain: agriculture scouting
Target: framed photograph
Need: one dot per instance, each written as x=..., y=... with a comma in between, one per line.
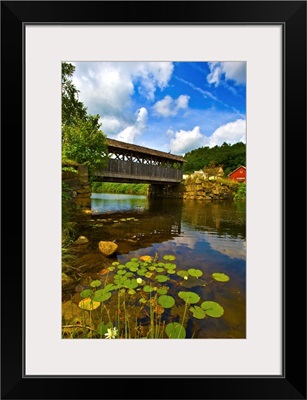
x=202, y=106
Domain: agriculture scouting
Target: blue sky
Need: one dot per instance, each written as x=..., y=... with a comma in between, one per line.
x=168, y=106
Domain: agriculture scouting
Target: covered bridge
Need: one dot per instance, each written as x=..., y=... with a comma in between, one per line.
x=136, y=164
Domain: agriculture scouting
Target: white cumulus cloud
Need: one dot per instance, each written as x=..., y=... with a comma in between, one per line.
x=131, y=132
x=230, y=133
x=169, y=106
x=230, y=70
x=106, y=88
x=184, y=141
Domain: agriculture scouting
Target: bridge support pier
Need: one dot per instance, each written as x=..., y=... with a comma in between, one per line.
x=171, y=191
x=78, y=182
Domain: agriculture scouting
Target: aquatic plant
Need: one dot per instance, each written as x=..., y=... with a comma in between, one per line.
x=138, y=298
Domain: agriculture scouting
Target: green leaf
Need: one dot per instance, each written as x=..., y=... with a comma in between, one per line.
x=148, y=289
x=182, y=273
x=195, y=272
x=141, y=272
x=109, y=287
x=131, y=291
x=159, y=269
x=121, y=272
x=134, y=259
x=198, y=312
x=169, y=257
x=129, y=275
x=163, y=290
x=174, y=330
x=212, y=309
x=142, y=300
x=220, y=277
x=121, y=266
x=170, y=266
x=102, y=328
x=96, y=283
x=148, y=274
x=86, y=293
x=171, y=271
x=101, y=295
x=189, y=297
x=132, y=264
x=131, y=283
x=115, y=263
x=166, y=301
x=161, y=278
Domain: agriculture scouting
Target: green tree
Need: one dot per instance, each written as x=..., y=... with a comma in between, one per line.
x=82, y=139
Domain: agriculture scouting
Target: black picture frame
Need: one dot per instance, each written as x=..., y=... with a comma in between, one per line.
x=292, y=16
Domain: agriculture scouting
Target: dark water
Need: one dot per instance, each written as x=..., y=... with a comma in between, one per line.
x=210, y=236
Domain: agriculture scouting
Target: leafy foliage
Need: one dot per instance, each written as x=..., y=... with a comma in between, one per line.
x=82, y=139
x=228, y=156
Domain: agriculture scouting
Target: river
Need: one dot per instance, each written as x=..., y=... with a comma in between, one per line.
x=207, y=236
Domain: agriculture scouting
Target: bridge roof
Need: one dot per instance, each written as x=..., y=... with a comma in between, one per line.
x=145, y=150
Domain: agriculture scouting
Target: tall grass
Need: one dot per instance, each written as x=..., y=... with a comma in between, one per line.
x=123, y=188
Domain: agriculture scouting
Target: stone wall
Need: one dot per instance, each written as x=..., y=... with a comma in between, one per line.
x=77, y=179
x=199, y=188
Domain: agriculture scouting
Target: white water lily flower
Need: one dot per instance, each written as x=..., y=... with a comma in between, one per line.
x=111, y=333
x=139, y=280
x=185, y=277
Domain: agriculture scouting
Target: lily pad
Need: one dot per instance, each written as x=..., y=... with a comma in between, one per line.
x=174, y=330
x=109, y=287
x=141, y=272
x=163, y=290
x=220, y=277
x=132, y=264
x=102, y=328
x=142, y=300
x=212, y=309
x=162, y=278
x=115, y=263
x=121, y=272
x=148, y=289
x=86, y=293
x=152, y=268
x=182, y=273
x=169, y=257
x=131, y=283
x=121, y=266
x=96, y=283
x=159, y=269
x=170, y=266
x=148, y=274
x=166, y=301
x=189, y=297
x=134, y=259
x=129, y=275
x=89, y=304
x=198, y=312
x=171, y=271
x=101, y=295
x=131, y=291
x=195, y=272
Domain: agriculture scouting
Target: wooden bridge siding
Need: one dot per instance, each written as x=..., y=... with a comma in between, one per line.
x=143, y=172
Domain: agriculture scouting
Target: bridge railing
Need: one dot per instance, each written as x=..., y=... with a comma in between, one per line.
x=133, y=170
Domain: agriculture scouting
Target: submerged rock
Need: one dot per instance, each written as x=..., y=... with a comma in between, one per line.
x=81, y=240
x=66, y=280
x=107, y=248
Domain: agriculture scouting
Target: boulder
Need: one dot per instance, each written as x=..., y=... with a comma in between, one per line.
x=81, y=240
x=107, y=248
x=66, y=280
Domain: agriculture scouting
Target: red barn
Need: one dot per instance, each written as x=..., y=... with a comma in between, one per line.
x=238, y=174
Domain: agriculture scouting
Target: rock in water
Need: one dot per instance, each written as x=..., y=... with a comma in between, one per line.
x=107, y=248
x=81, y=240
